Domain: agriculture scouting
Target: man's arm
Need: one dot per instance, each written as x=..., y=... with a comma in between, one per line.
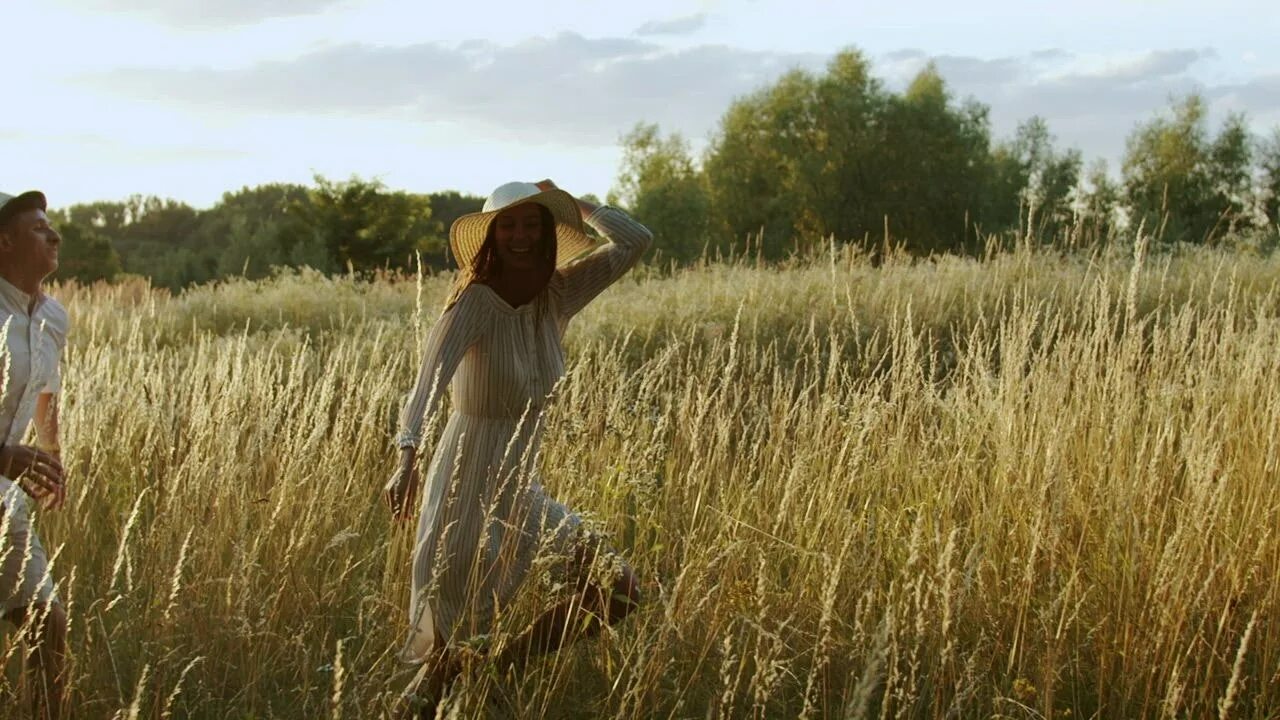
x=47, y=424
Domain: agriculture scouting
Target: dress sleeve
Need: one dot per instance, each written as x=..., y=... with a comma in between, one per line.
x=458, y=329
x=579, y=282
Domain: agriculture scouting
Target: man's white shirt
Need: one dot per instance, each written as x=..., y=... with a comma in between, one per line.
x=30, y=364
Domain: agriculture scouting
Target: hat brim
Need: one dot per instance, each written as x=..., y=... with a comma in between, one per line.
x=467, y=234
x=29, y=200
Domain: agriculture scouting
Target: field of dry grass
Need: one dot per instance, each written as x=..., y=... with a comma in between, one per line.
x=1037, y=486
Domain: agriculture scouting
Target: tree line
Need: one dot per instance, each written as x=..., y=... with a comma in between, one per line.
x=331, y=226
x=808, y=158
x=838, y=155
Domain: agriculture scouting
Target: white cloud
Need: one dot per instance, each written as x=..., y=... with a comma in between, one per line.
x=1154, y=65
x=202, y=13
x=1090, y=102
x=566, y=87
x=189, y=98
x=580, y=94
x=686, y=25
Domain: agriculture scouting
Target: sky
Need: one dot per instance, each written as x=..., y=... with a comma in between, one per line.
x=189, y=99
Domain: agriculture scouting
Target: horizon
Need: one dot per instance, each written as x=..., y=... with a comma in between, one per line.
x=163, y=98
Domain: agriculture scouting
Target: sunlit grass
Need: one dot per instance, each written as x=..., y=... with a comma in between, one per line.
x=1036, y=484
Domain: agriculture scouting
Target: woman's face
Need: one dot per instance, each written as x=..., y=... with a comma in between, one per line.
x=517, y=237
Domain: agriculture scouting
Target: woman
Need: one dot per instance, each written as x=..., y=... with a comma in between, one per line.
x=484, y=516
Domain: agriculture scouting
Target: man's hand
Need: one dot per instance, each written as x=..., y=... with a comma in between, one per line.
x=39, y=473
x=403, y=485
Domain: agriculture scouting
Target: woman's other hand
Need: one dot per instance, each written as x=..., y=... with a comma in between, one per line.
x=403, y=485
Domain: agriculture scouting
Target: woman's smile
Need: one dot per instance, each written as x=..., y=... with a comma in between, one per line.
x=517, y=233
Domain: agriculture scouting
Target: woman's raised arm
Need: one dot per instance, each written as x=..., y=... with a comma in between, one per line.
x=579, y=282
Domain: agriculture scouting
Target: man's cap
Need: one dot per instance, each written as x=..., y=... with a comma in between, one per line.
x=12, y=205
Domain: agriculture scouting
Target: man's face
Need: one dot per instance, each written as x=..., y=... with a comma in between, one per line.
x=30, y=243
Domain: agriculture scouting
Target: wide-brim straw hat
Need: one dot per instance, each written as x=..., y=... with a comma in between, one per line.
x=11, y=205
x=467, y=233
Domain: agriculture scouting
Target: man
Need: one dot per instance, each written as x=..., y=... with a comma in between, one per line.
x=33, y=331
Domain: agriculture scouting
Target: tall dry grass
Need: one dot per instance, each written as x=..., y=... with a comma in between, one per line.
x=1037, y=486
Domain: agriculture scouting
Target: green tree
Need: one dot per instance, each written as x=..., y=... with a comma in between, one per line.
x=107, y=218
x=155, y=237
x=1030, y=179
x=837, y=155
x=840, y=153
x=756, y=180
x=253, y=229
x=251, y=248
x=86, y=255
x=663, y=189
x=1051, y=179
x=1008, y=177
x=362, y=225
x=802, y=159
x=1175, y=177
x=938, y=179
x=446, y=207
x=1230, y=174
x=1099, y=199
x=1269, y=192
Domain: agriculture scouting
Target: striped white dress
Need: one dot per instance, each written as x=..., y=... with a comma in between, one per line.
x=484, y=514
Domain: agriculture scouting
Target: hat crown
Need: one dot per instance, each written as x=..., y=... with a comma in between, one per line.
x=510, y=194
x=467, y=234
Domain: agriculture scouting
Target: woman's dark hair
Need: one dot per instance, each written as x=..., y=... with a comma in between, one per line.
x=487, y=264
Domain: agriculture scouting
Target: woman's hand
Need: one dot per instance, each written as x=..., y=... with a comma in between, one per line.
x=39, y=473
x=403, y=485
x=584, y=207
